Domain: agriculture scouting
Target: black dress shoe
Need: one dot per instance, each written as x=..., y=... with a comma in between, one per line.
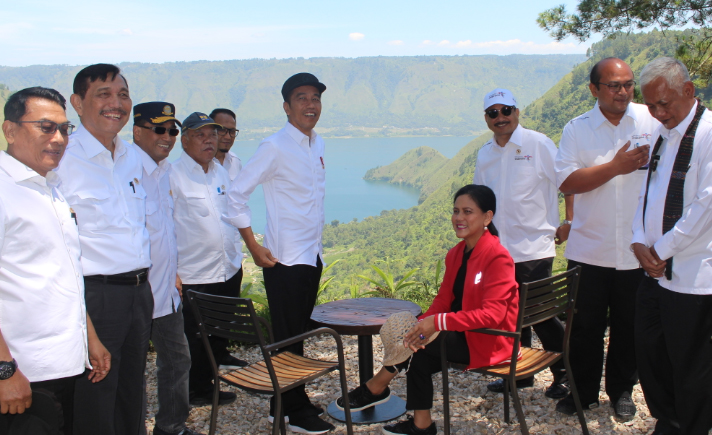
x=224, y=398
x=568, y=406
x=624, y=407
x=498, y=385
x=557, y=390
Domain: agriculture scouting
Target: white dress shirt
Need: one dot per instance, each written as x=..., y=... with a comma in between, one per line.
x=110, y=203
x=523, y=179
x=232, y=165
x=42, y=310
x=290, y=167
x=601, y=229
x=209, y=249
x=689, y=242
x=159, y=222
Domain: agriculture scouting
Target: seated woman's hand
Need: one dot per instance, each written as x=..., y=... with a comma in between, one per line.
x=418, y=335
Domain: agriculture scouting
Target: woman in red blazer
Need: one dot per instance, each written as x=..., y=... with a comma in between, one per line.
x=478, y=291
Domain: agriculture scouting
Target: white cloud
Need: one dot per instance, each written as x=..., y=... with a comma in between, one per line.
x=127, y=32
x=7, y=30
x=508, y=46
x=396, y=42
x=356, y=36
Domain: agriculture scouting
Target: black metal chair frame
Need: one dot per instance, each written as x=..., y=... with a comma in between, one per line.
x=539, y=301
x=235, y=319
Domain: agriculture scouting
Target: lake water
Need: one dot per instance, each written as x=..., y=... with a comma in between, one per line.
x=348, y=195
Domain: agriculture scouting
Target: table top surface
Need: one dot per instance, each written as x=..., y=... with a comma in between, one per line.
x=363, y=316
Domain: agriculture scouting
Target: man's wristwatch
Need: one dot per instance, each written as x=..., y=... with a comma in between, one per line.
x=565, y=222
x=7, y=369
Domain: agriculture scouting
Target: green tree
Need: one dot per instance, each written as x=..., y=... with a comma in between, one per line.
x=610, y=16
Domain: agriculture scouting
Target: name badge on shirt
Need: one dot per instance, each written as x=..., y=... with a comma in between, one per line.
x=221, y=190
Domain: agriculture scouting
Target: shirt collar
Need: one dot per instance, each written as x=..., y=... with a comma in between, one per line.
x=681, y=128
x=297, y=135
x=516, y=138
x=150, y=165
x=193, y=165
x=20, y=172
x=92, y=147
x=598, y=118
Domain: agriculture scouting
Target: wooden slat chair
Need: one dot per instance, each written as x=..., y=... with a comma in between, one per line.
x=539, y=301
x=235, y=319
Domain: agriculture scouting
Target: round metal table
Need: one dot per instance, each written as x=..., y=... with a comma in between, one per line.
x=363, y=317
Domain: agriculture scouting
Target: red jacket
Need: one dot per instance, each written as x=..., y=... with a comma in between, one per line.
x=490, y=300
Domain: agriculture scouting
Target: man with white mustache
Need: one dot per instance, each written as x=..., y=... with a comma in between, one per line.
x=209, y=249
x=102, y=180
x=518, y=165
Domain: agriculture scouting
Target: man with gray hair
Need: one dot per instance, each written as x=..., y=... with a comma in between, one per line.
x=673, y=322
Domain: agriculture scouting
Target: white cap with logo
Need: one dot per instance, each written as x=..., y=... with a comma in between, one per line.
x=499, y=96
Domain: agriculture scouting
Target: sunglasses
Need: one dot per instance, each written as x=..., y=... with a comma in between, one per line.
x=51, y=127
x=494, y=113
x=233, y=132
x=162, y=130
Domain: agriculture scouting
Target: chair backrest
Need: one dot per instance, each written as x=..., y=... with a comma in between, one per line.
x=547, y=298
x=228, y=317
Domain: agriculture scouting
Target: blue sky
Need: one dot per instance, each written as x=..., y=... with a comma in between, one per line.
x=78, y=32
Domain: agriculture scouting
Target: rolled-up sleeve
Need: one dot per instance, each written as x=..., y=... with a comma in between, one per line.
x=259, y=169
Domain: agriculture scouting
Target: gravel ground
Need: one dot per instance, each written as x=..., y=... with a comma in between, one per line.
x=474, y=409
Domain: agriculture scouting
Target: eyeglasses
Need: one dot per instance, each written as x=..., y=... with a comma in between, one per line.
x=51, y=127
x=233, y=132
x=494, y=113
x=616, y=87
x=162, y=130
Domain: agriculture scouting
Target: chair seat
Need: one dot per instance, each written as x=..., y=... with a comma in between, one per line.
x=289, y=368
x=532, y=362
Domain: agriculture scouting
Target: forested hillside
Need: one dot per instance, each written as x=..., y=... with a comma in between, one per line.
x=376, y=96
x=4, y=93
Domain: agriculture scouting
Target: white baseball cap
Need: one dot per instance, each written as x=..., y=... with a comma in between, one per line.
x=499, y=96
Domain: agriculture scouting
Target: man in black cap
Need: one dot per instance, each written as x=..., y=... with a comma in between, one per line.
x=155, y=132
x=290, y=166
x=209, y=249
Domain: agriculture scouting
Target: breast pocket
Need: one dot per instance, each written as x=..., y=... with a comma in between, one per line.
x=153, y=217
x=93, y=208
x=196, y=204
x=136, y=203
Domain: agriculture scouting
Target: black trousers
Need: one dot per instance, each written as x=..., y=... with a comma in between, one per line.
x=426, y=362
x=606, y=298
x=121, y=315
x=674, y=349
x=52, y=403
x=200, y=379
x=551, y=332
x=291, y=293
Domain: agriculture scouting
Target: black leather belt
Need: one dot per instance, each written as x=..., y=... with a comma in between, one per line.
x=135, y=278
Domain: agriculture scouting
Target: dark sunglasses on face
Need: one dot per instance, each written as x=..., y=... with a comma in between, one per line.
x=233, y=132
x=494, y=113
x=162, y=130
x=51, y=127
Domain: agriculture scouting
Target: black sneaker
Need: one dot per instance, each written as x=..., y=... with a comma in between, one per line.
x=318, y=409
x=568, y=406
x=498, y=385
x=408, y=427
x=624, y=407
x=229, y=362
x=362, y=398
x=310, y=425
x=224, y=398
